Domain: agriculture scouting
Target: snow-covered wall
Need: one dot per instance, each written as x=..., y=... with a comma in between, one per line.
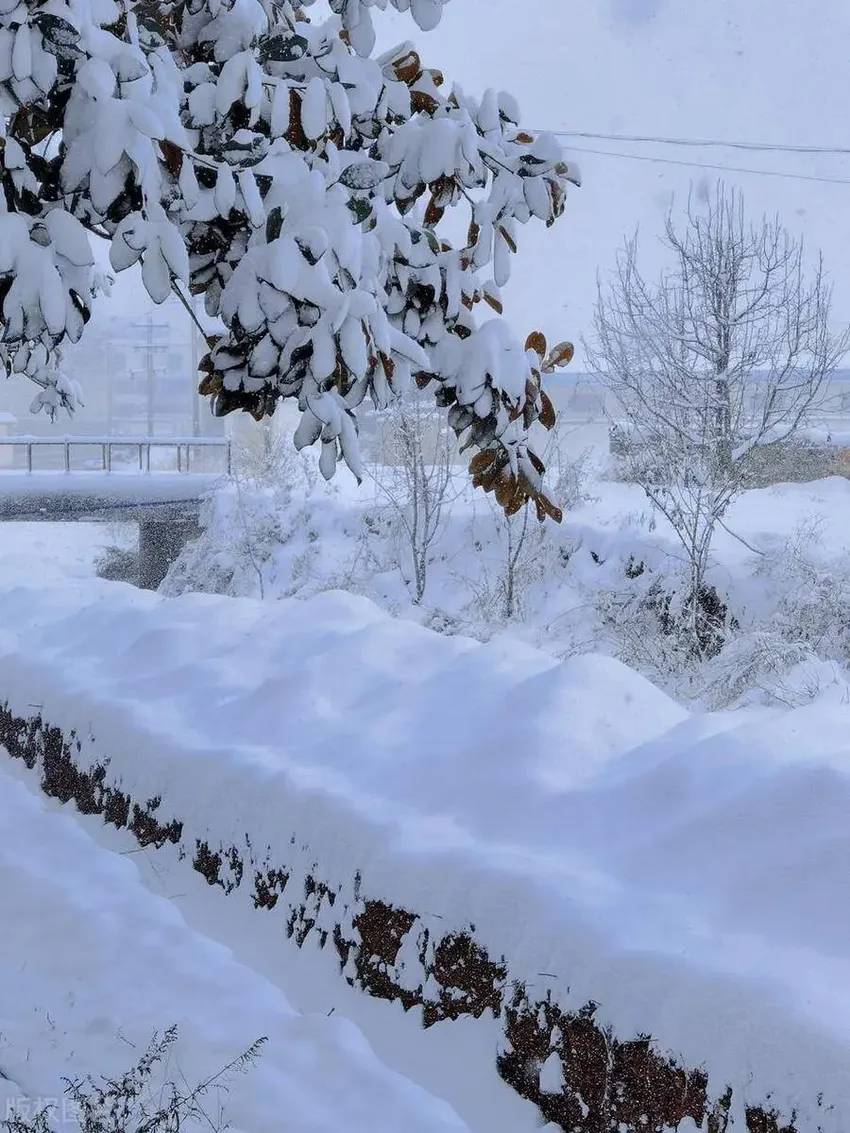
x=474, y=828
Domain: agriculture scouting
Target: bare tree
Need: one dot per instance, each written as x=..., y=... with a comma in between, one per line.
x=415, y=476
x=731, y=348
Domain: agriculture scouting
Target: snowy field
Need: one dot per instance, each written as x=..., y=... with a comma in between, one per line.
x=685, y=868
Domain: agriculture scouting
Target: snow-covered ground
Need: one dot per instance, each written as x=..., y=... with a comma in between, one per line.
x=93, y=964
x=684, y=869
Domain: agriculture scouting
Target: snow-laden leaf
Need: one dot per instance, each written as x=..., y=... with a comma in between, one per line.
x=364, y=175
x=156, y=275
x=282, y=48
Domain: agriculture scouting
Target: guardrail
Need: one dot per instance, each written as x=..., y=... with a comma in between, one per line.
x=107, y=444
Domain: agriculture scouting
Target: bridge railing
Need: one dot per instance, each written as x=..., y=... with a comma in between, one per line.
x=143, y=445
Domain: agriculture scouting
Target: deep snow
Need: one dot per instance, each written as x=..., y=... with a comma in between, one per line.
x=93, y=964
x=685, y=870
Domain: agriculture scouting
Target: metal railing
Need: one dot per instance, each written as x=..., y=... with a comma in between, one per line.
x=143, y=445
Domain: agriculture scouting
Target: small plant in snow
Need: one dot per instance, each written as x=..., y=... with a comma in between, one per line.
x=500, y=585
x=129, y=1104
x=811, y=594
x=415, y=477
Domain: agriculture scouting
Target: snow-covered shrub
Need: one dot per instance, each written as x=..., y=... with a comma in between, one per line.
x=646, y=614
x=244, y=151
x=242, y=530
x=573, y=476
x=246, y=522
x=118, y=564
x=805, y=594
x=757, y=667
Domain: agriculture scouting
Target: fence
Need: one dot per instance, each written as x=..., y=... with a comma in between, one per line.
x=183, y=446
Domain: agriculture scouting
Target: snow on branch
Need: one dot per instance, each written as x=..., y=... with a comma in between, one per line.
x=270, y=163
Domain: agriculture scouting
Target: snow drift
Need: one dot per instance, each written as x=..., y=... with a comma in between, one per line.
x=685, y=873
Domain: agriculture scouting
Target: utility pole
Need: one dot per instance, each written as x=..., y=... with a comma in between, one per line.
x=150, y=374
x=108, y=393
x=150, y=370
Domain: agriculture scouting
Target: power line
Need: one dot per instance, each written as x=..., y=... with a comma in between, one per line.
x=712, y=165
x=772, y=147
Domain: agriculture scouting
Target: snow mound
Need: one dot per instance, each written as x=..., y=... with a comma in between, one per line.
x=684, y=871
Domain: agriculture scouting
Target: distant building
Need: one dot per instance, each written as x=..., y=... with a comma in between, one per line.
x=138, y=376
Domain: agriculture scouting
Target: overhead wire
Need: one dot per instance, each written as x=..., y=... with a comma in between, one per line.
x=713, y=143
x=654, y=158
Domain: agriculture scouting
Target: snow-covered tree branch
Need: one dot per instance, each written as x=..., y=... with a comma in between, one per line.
x=238, y=150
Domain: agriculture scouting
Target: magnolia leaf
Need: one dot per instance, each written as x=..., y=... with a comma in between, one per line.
x=408, y=68
x=550, y=509
x=547, y=414
x=506, y=236
x=364, y=175
x=561, y=355
x=537, y=343
x=516, y=503
x=361, y=207
x=283, y=48
x=482, y=461
x=433, y=242
x=274, y=224
x=56, y=31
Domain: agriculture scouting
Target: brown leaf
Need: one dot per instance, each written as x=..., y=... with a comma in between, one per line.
x=389, y=367
x=473, y=234
x=408, y=68
x=433, y=213
x=561, y=355
x=172, y=155
x=420, y=102
x=488, y=480
x=536, y=341
x=547, y=413
x=482, y=461
x=437, y=77
x=515, y=505
x=538, y=464
x=558, y=197
x=422, y=378
x=509, y=240
x=549, y=508
x=525, y=138
x=295, y=132
x=210, y=384
x=506, y=490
